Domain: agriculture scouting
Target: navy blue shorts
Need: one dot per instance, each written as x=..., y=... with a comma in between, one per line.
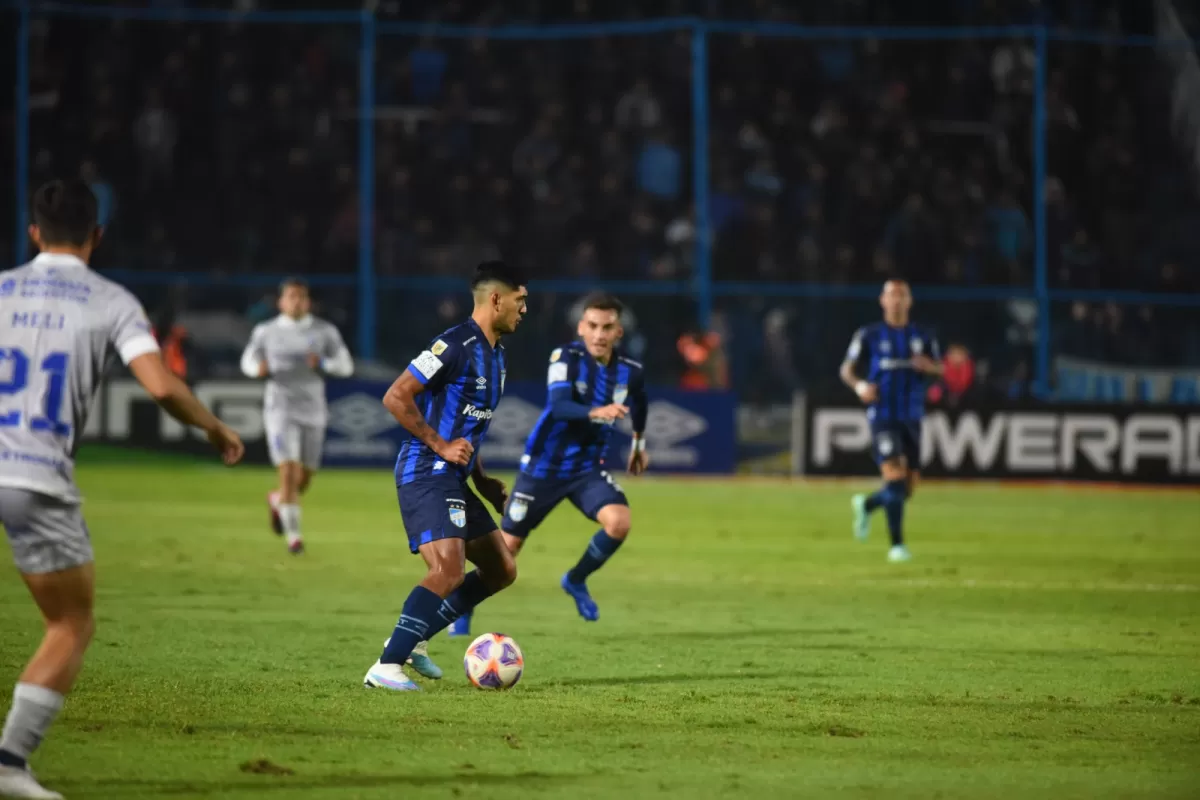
x=532, y=499
x=442, y=507
x=893, y=439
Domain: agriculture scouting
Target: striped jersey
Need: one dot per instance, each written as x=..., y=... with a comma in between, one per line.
x=565, y=443
x=60, y=325
x=884, y=355
x=463, y=376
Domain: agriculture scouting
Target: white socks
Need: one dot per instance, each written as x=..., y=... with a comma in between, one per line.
x=289, y=515
x=33, y=710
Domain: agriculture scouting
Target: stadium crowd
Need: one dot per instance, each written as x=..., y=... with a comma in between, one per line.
x=233, y=148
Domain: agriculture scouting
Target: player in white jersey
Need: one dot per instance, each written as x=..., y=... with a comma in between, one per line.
x=60, y=324
x=294, y=352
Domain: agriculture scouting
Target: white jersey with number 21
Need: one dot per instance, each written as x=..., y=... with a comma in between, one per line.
x=60, y=324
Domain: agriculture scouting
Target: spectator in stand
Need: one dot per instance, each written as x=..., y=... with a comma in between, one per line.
x=830, y=161
x=957, y=380
x=703, y=354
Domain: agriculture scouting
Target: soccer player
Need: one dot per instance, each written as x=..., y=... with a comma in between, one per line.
x=894, y=357
x=60, y=325
x=294, y=352
x=589, y=384
x=446, y=399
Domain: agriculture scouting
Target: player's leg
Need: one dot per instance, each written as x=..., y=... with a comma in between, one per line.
x=285, y=443
x=910, y=440
x=914, y=480
x=289, y=504
x=53, y=553
x=312, y=448
x=530, y=501
x=600, y=498
x=277, y=450
x=886, y=447
x=445, y=561
x=895, y=496
x=295, y=477
x=440, y=517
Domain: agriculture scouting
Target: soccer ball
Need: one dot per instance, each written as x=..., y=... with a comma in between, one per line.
x=494, y=661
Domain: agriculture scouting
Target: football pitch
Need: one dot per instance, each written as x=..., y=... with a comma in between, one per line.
x=1043, y=643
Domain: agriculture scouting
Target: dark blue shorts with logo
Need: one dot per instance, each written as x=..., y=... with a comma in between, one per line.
x=442, y=507
x=532, y=499
x=894, y=439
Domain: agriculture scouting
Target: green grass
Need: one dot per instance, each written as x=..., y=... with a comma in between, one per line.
x=1044, y=643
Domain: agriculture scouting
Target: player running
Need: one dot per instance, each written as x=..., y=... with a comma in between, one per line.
x=588, y=385
x=446, y=399
x=294, y=352
x=61, y=325
x=897, y=357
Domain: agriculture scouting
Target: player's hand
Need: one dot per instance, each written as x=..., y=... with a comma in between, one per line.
x=867, y=392
x=314, y=361
x=228, y=444
x=923, y=363
x=493, y=490
x=609, y=413
x=639, y=461
x=263, y=369
x=457, y=452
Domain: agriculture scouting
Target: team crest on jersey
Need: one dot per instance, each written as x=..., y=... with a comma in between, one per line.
x=885, y=346
x=581, y=387
x=438, y=348
x=620, y=393
x=916, y=346
x=517, y=510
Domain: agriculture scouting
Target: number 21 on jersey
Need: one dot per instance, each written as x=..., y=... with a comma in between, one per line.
x=14, y=380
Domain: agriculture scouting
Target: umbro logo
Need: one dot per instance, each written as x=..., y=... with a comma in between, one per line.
x=481, y=382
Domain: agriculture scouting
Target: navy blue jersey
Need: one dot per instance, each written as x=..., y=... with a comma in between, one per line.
x=565, y=443
x=463, y=376
x=883, y=356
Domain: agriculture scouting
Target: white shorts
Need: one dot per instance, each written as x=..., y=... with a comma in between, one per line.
x=47, y=534
x=293, y=441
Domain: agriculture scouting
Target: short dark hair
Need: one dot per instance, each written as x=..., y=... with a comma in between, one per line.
x=498, y=271
x=603, y=301
x=289, y=282
x=65, y=212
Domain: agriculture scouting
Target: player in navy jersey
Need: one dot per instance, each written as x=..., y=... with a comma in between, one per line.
x=887, y=366
x=446, y=399
x=590, y=386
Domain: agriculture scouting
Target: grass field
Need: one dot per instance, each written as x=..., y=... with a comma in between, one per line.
x=1044, y=643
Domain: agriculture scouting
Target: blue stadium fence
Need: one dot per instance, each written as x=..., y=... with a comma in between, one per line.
x=702, y=287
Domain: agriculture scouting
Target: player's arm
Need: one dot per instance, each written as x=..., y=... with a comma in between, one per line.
x=561, y=401
x=849, y=372
x=931, y=364
x=139, y=351
x=254, y=357
x=639, y=407
x=427, y=372
x=174, y=396
x=491, y=489
x=339, y=364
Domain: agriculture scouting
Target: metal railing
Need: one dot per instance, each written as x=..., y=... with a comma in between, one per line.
x=702, y=286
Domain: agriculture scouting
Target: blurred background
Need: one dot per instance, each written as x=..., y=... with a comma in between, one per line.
x=744, y=173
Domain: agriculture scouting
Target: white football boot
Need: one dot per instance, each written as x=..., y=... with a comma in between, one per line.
x=19, y=782
x=389, y=676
